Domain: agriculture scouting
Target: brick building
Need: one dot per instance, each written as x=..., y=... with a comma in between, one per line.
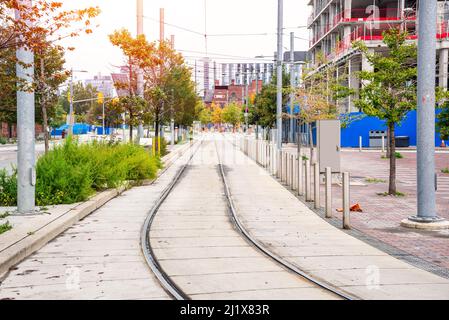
x=10, y=131
x=224, y=94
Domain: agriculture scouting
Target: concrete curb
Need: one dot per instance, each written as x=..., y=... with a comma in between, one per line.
x=31, y=243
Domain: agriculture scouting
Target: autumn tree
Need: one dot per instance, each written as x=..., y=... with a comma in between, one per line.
x=217, y=114
x=168, y=89
x=40, y=25
x=232, y=114
x=49, y=23
x=389, y=91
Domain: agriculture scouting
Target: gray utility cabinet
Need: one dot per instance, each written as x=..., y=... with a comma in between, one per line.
x=329, y=144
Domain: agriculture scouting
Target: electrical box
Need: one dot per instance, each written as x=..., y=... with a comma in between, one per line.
x=329, y=145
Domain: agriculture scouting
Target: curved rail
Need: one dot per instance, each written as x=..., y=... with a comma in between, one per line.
x=148, y=253
x=241, y=228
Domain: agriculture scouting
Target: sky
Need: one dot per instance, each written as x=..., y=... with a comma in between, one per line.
x=95, y=54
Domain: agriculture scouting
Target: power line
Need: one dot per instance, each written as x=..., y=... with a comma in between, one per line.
x=176, y=26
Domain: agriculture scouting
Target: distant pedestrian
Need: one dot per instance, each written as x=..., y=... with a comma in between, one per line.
x=63, y=134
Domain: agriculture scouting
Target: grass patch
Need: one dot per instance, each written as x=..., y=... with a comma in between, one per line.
x=397, y=154
x=374, y=180
x=386, y=194
x=4, y=215
x=5, y=227
x=73, y=172
x=445, y=170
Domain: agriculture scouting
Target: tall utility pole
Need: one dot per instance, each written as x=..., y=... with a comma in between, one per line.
x=161, y=24
x=70, y=121
x=140, y=85
x=427, y=212
x=292, y=83
x=279, y=73
x=26, y=158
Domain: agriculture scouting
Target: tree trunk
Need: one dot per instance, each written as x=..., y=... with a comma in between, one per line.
x=156, y=133
x=392, y=144
x=131, y=128
x=388, y=143
x=312, y=147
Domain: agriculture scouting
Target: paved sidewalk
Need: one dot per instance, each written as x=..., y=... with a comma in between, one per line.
x=98, y=258
x=382, y=215
x=289, y=228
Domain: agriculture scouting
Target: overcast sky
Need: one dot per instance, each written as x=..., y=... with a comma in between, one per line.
x=95, y=54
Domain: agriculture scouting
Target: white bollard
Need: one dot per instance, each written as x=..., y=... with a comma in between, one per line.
x=299, y=174
x=316, y=185
x=307, y=181
x=328, y=192
x=360, y=143
x=292, y=159
x=346, y=200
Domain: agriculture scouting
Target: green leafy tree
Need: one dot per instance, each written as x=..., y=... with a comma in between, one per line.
x=133, y=107
x=232, y=114
x=389, y=91
x=80, y=93
x=49, y=76
x=443, y=121
x=264, y=110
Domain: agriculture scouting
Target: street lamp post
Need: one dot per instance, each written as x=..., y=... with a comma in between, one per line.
x=26, y=158
x=427, y=213
x=279, y=74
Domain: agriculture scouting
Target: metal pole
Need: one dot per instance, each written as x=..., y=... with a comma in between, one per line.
x=279, y=73
x=140, y=80
x=292, y=83
x=71, y=115
x=104, y=132
x=426, y=113
x=26, y=158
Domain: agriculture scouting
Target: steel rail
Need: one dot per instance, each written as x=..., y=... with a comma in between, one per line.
x=145, y=243
x=278, y=259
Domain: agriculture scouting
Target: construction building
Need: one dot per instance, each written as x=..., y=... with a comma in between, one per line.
x=335, y=24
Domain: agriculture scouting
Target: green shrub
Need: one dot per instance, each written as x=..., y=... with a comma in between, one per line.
x=5, y=227
x=8, y=188
x=3, y=140
x=445, y=170
x=72, y=172
x=164, y=145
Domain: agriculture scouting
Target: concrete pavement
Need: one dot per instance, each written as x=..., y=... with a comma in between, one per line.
x=197, y=245
x=98, y=258
x=289, y=228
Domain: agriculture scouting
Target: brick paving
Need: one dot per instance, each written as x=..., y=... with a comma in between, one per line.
x=382, y=215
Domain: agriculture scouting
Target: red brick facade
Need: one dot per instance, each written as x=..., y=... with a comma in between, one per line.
x=8, y=132
x=233, y=93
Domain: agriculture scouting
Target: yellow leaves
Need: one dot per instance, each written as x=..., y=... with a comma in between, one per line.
x=46, y=21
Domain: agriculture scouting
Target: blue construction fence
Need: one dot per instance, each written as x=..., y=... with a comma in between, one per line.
x=80, y=129
x=359, y=125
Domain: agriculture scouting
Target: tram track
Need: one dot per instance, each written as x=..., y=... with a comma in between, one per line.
x=287, y=265
x=177, y=290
